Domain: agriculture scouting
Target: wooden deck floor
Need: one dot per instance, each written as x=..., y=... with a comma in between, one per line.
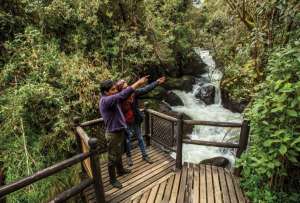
x=158, y=182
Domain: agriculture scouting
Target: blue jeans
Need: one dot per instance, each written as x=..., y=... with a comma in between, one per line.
x=134, y=129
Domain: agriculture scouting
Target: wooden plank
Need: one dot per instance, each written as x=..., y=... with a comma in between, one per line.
x=139, y=171
x=153, y=179
x=216, y=183
x=168, y=190
x=140, y=182
x=137, y=200
x=136, y=167
x=145, y=196
x=212, y=123
x=149, y=187
x=160, y=192
x=189, y=188
x=139, y=178
x=224, y=189
x=136, y=158
x=182, y=184
x=210, y=188
x=175, y=188
x=239, y=192
x=152, y=195
x=231, y=190
x=196, y=187
x=210, y=143
x=202, y=184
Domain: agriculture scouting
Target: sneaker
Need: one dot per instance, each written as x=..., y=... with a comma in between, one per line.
x=129, y=161
x=148, y=160
x=115, y=183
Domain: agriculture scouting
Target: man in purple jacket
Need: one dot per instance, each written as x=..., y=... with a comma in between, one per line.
x=115, y=124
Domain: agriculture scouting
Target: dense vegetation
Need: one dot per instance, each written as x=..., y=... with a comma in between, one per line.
x=257, y=43
x=55, y=52
x=53, y=56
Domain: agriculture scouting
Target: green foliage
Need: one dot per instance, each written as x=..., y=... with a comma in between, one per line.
x=275, y=130
x=53, y=54
x=43, y=89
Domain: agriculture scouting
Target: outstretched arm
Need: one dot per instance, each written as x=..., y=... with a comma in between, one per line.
x=124, y=94
x=144, y=90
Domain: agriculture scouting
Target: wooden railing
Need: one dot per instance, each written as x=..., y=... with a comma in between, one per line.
x=160, y=128
x=88, y=157
x=178, y=124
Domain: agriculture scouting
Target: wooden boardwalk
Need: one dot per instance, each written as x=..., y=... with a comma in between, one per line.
x=158, y=182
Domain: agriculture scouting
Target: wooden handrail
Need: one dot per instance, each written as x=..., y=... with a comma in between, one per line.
x=92, y=122
x=83, y=136
x=209, y=143
x=62, y=197
x=9, y=188
x=212, y=123
x=162, y=115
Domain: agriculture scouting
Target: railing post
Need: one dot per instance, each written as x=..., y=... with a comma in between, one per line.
x=244, y=135
x=95, y=166
x=243, y=142
x=2, y=182
x=76, y=122
x=179, y=142
x=146, y=125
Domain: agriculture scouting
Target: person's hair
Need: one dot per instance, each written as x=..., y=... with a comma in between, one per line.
x=120, y=85
x=105, y=86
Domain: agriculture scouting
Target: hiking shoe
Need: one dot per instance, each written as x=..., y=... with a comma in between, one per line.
x=124, y=171
x=148, y=160
x=115, y=183
x=129, y=161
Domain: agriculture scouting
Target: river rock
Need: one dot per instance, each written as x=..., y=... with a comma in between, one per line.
x=232, y=105
x=184, y=83
x=193, y=65
x=172, y=99
x=207, y=94
x=217, y=161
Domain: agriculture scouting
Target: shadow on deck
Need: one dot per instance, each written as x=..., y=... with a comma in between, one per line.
x=159, y=182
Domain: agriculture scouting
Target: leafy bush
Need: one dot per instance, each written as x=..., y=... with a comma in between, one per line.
x=275, y=131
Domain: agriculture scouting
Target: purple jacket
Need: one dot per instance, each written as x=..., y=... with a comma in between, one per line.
x=111, y=112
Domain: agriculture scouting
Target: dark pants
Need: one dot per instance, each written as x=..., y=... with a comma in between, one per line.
x=114, y=147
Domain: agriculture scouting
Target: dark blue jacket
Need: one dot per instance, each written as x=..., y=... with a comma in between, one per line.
x=138, y=116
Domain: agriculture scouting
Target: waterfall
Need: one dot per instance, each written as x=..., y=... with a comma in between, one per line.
x=198, y=110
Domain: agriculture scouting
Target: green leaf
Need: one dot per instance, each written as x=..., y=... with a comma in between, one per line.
x=292, y=113
x=282, y=149
x=297, y=140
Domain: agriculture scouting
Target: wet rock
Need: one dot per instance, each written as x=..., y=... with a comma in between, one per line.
x=207, y=94
x=172, y=99
x=232, y=105
x=193, y=66
x=216, y=161
x=184, y=83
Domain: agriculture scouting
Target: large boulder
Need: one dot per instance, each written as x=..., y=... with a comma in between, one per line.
x=232, y=105
x=207, y=94
x=193, y=65
x=216, y=161
x=172, y=99
x=184, y=83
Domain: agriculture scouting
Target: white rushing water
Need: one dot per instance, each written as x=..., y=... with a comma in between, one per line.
x=198, y=110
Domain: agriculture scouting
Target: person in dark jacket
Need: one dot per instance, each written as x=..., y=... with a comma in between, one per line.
x=134, y=117
x=115, y=124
